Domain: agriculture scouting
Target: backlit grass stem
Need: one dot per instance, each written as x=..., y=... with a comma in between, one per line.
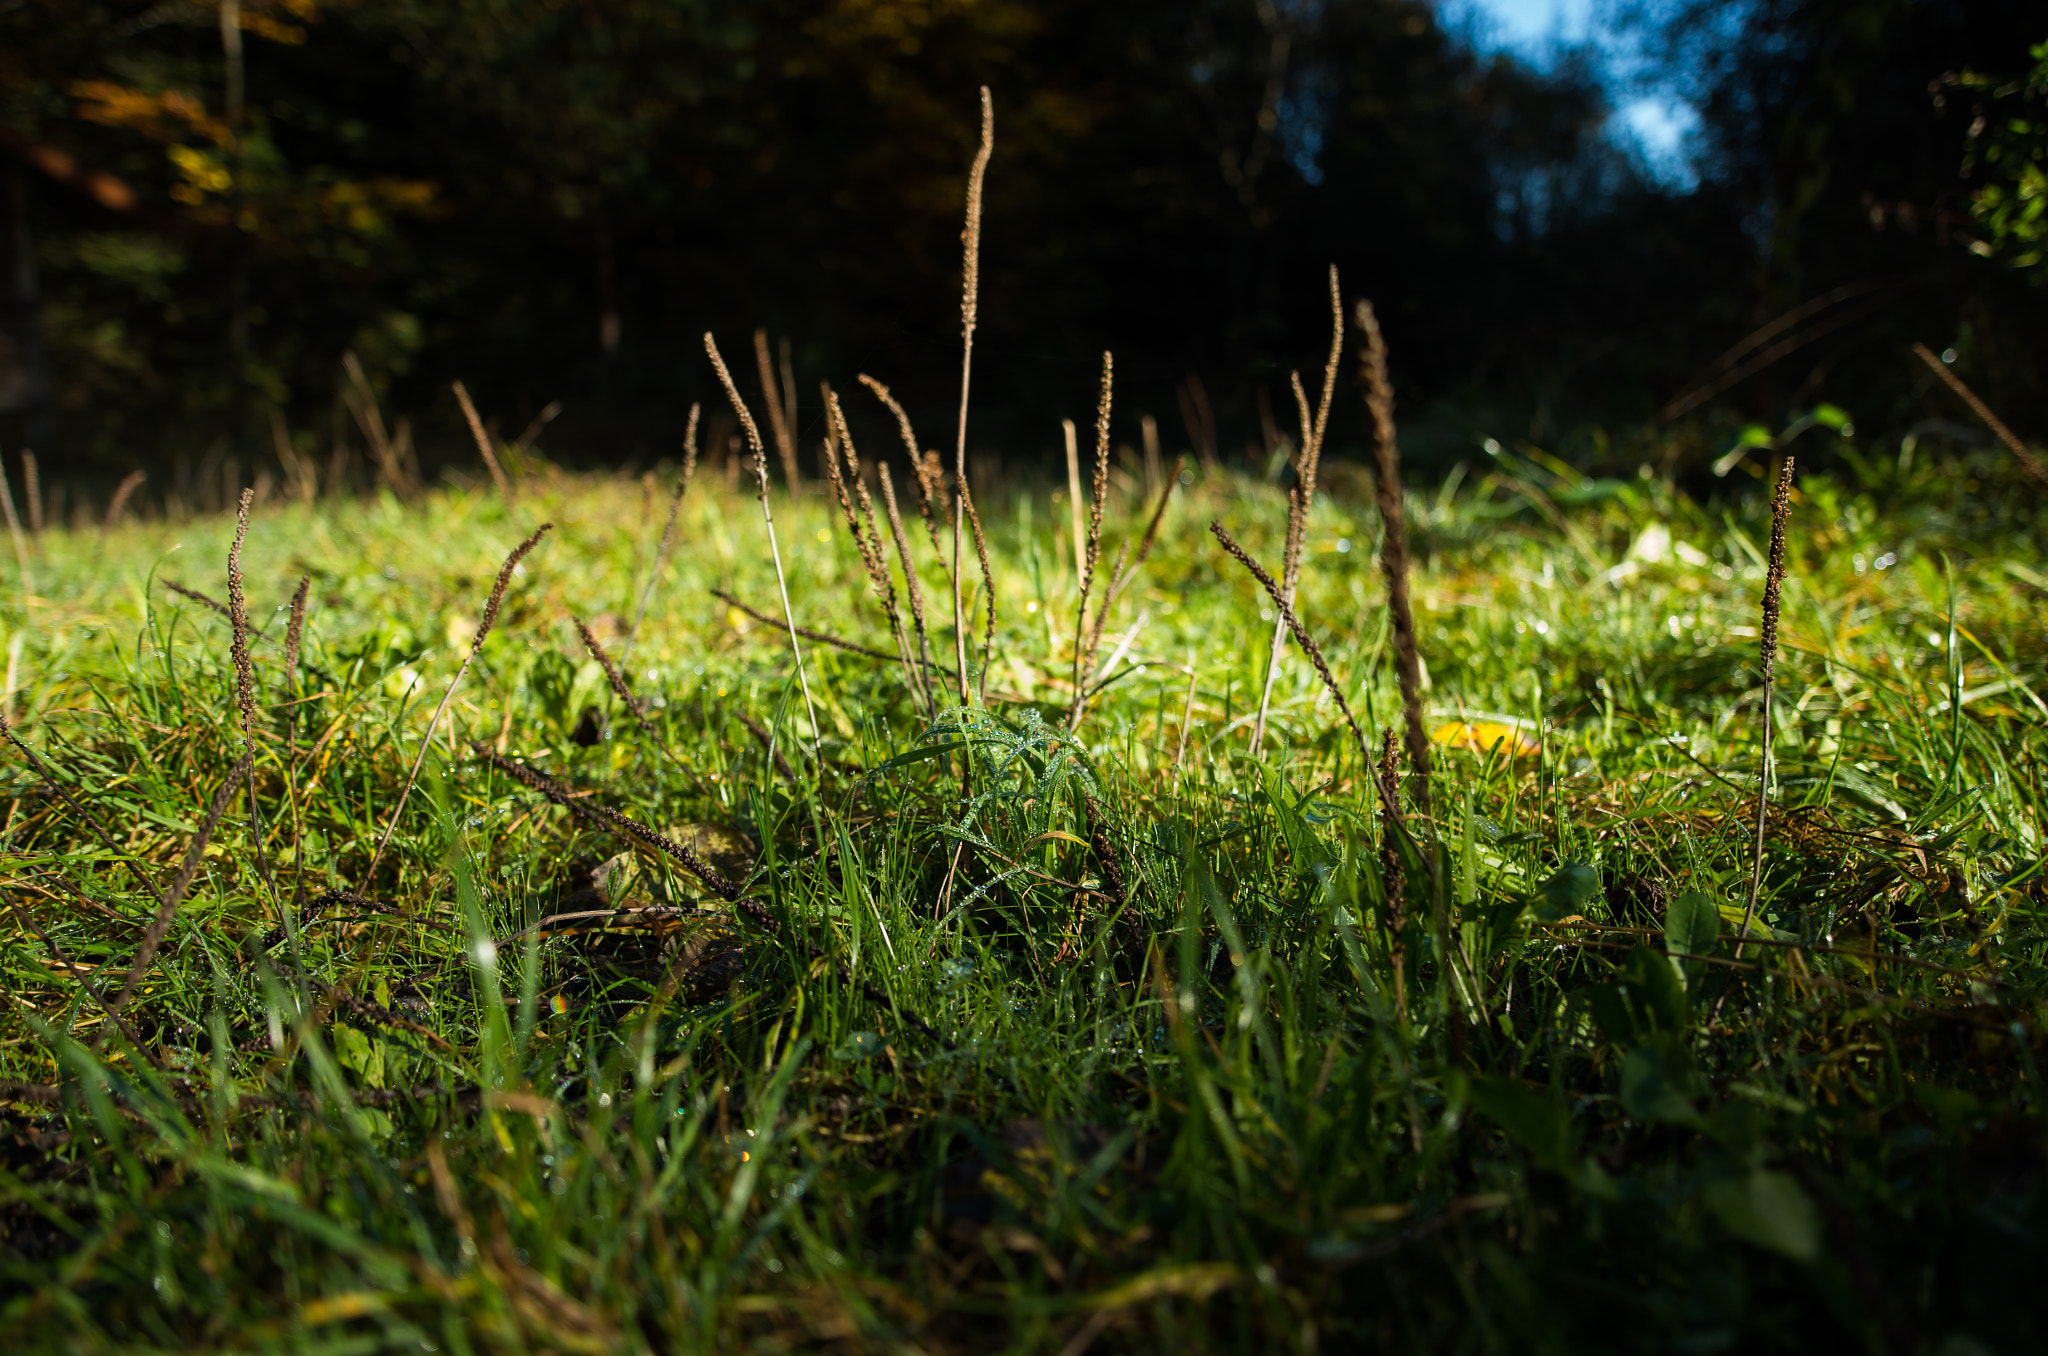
x=760, y=456
x=1301, y=495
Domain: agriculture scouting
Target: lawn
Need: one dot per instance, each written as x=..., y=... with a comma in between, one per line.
x=781, y=1009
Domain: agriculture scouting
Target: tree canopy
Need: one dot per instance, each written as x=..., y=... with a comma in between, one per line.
x=213, y=202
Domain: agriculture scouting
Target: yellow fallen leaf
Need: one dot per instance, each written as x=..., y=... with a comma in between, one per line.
x=340, y=1308
x=1483, y=736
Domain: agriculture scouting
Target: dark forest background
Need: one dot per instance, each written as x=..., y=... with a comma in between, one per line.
x=209, y=204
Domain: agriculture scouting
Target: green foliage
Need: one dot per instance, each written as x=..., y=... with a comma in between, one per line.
x=2007, y=154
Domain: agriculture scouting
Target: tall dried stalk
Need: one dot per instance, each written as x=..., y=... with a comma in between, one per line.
x=632, y=831
x=1774, y=581
x=123, y=492
x=238, y=619
x=245, y=672
x=788, y=389
x=295, y=632
x=668, y=529
x=1396, y=917
x=1977, y=407
x=1300, y=632
x=924, y=467
x=779, y=411
x=1122, y=574
x=32, y=490
x=362, y=404
x=1301, y=496
x=760, y=456
x=294, y=637
x=1379, y=400
x=483, y=632
x=911, y=588
x=988, y=589
x=859, y=512
x=1088, y=558
x=619, y=687
x=970, y=293
x=483, y=441
x=1071, y=436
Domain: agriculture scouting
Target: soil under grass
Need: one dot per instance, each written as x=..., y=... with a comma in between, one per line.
x=1107, y=1056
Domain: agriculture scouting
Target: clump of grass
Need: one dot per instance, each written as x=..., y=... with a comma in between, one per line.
x=1160, y=994
x=476, y=645
x=174, y=894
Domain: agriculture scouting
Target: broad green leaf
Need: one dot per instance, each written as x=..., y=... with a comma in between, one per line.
x=1571, y=889
x=1691, y=927
x=1537, y=1120
x=1769, y=1210
x=1659, y=1081
x=1644, y=1000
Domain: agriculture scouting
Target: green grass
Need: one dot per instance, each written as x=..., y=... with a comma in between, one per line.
x=904, y=1106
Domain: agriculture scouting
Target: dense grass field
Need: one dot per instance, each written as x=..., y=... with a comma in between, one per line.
x=1109, y=1054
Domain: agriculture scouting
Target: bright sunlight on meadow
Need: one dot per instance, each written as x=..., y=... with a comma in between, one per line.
x=670, y=1017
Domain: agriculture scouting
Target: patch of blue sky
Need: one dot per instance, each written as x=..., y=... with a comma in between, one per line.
x=1650, y=118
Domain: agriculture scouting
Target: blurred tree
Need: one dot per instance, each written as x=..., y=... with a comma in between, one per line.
x=2007, y=155
x=553, y=200
x=1819, y=129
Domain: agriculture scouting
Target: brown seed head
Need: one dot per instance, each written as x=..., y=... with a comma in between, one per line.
x=238, y=616
x=1774, y=577
x=755, y=450
x=497, y=598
